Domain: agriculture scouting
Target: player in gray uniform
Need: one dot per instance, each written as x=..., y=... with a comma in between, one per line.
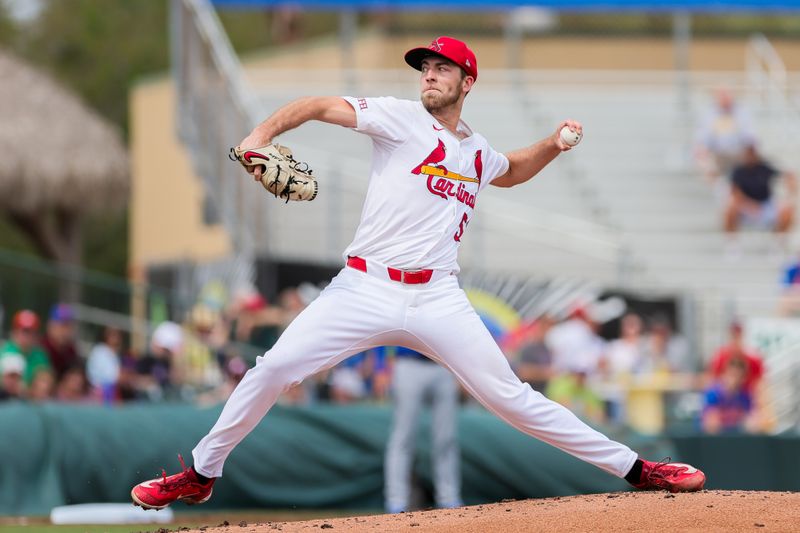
x=417, y=380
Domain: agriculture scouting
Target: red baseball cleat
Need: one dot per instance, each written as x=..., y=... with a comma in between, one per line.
x=160, y=492
x=674, y=477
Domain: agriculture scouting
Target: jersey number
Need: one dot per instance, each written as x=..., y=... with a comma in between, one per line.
x=461, y=227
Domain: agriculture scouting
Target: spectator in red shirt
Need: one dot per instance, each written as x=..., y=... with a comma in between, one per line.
x=59, y=339
x=735, y=349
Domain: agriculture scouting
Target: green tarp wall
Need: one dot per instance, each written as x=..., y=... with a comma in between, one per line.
x=323, y=457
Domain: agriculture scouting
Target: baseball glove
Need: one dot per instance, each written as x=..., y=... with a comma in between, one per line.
x=281, y=175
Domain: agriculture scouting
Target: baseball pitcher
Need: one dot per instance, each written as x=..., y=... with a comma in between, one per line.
x=398, y=286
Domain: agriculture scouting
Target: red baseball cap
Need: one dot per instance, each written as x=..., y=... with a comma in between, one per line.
x=448, y=48
x=254, y=302
x=25, y=319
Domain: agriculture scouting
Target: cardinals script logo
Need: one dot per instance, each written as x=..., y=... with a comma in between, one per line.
x=442, y=182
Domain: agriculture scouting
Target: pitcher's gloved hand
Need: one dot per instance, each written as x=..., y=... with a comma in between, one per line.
x=281, y=174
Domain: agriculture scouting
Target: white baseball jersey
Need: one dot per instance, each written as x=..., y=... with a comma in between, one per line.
x=423, y=185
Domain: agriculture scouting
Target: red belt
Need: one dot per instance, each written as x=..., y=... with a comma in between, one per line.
x=410, y=277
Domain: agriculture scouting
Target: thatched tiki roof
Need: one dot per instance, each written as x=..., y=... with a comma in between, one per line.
x=58, y=160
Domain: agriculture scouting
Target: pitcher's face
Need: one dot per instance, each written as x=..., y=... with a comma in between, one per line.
x=442, y=84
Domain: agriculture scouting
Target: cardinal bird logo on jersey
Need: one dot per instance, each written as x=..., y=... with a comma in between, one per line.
x=433, y=160
x=441, y=181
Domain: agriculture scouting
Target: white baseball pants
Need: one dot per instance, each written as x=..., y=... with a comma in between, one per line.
x=358, y=311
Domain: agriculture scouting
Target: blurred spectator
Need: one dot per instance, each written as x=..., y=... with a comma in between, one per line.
x=130, y=386
x=729, y=405
x=790, y=299
x=664, y=351
x=202, y=354
x=724, y=133
x=622, y=360
x=59, y=339
x=624, y=355
x=360, y=377
x=570, y=388
x=347, y=380
x=575, y=342
x=531, y=357
x=417, y=380
x=292, y=303
x=103, y=363
x=159, y=376
x=24, y=341
x=234, y=370
x=43, y=387
x=735, y=349
x=254, y=320
x=752, y=200
x=12, y=368
x=73, y=386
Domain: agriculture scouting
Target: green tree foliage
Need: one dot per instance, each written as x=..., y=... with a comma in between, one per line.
x=105, y=243
x=8, y=30
x=98, y=47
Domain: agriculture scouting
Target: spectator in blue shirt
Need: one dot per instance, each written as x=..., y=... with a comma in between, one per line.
x=729, y=406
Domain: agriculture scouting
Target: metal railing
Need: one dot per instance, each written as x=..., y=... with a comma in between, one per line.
x=766, y=73
x=30, y=283
x=783, y=385
x=770, y=84
x=214, y=107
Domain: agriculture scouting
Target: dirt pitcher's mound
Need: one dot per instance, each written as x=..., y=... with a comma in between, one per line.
x=620, y=511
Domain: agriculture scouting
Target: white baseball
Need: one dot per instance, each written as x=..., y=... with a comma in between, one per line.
x=570, y=138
